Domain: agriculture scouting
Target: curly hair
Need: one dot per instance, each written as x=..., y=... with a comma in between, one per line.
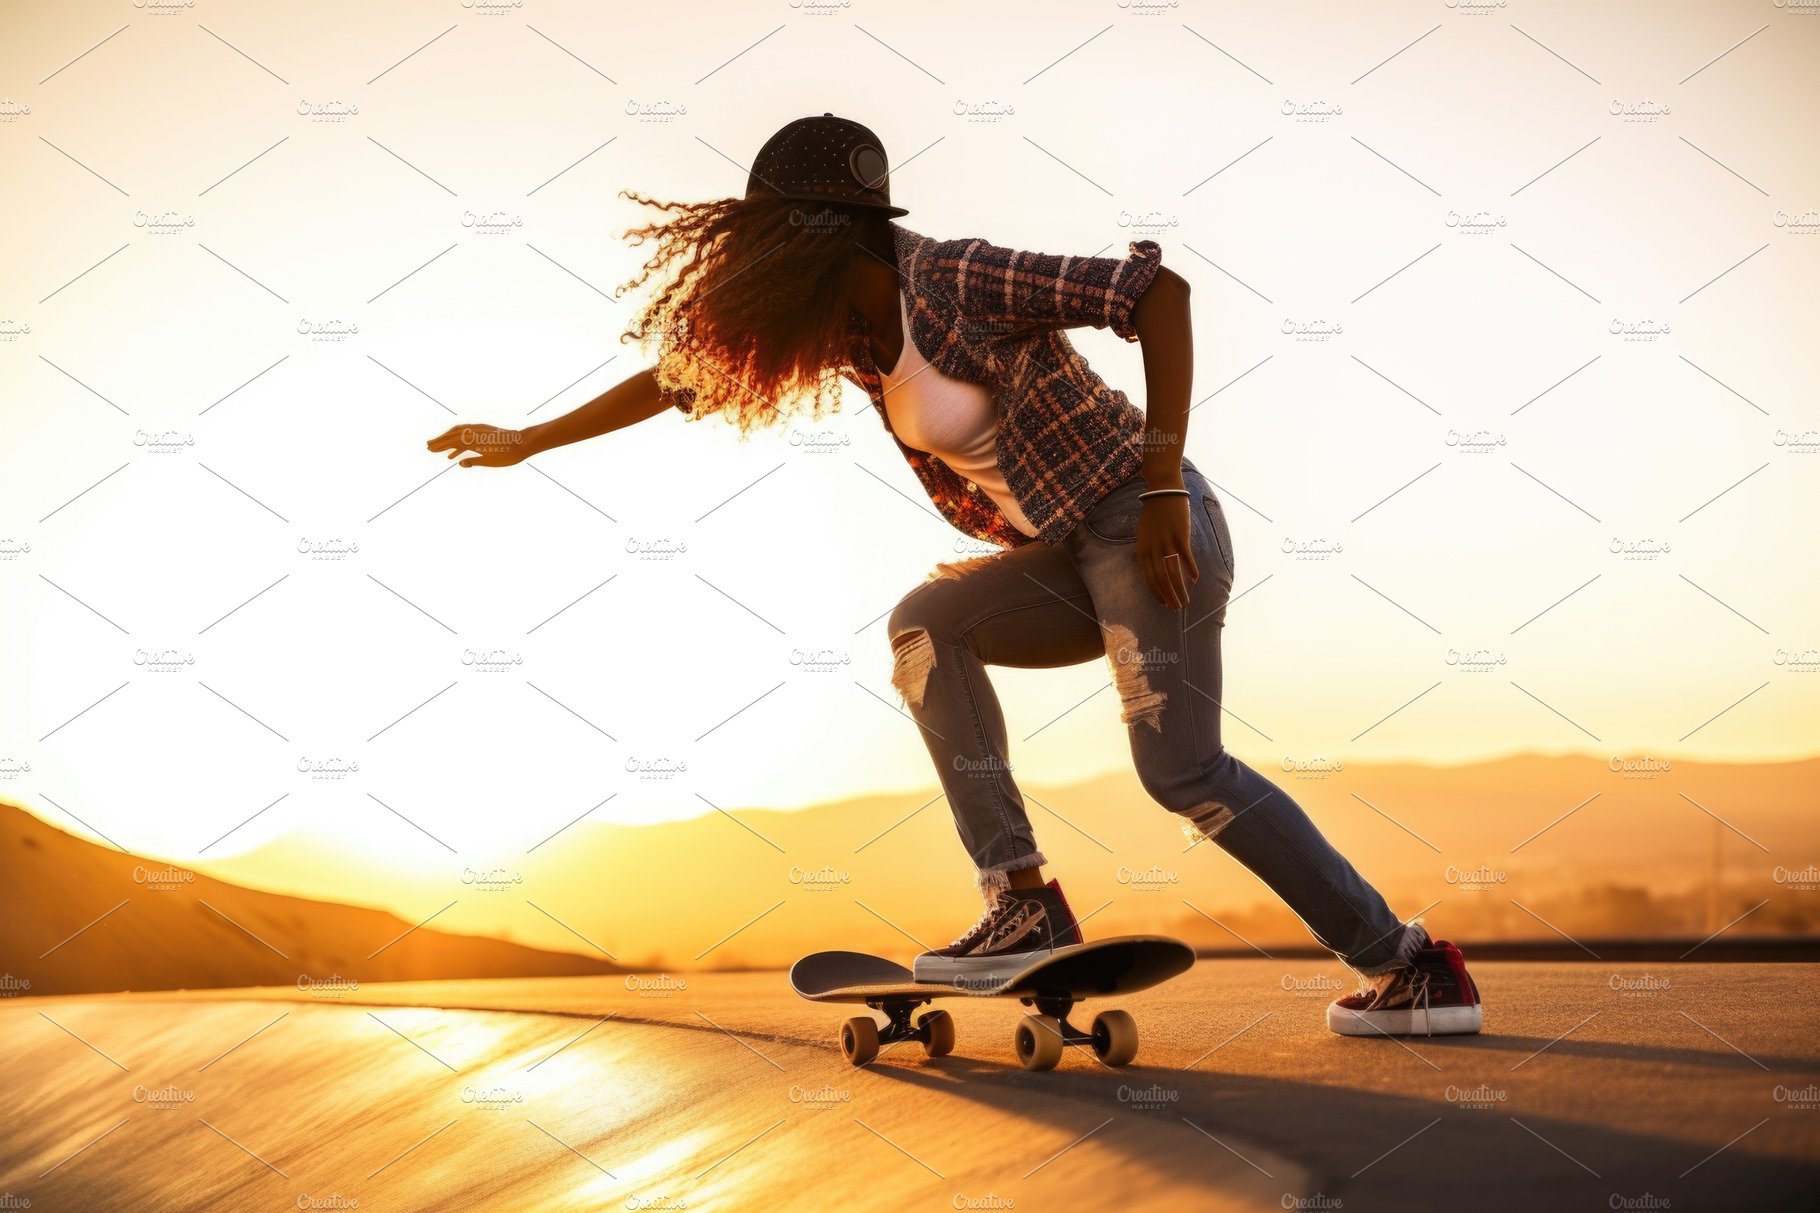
x=751, y=320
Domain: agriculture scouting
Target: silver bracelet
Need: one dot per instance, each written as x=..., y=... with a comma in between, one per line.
x=1145, y=496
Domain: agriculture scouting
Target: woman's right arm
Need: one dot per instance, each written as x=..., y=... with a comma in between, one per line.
x=627, y=403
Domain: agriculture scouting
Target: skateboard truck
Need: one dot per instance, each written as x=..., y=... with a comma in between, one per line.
x=1040, y=1038
x=861, y=1036
x=1056, y=1007
x=898, y=1011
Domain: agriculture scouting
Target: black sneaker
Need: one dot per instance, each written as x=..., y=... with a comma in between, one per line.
x=1433, y=996
x=1018, y=927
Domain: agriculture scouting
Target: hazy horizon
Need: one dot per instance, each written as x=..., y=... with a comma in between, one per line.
x=254, y=836
x=1530, y=847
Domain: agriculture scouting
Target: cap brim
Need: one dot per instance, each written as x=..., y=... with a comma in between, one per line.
x=890, y=212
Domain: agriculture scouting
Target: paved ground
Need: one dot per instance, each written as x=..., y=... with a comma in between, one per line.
x=1595, y=1087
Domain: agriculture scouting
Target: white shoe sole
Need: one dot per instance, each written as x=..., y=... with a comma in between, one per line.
x=974, y=972
x=1437, y=1021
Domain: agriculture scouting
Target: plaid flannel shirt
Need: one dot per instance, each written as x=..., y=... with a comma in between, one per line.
x=996, y=316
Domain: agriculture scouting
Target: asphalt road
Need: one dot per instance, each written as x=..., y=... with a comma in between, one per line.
x=1594, y=1087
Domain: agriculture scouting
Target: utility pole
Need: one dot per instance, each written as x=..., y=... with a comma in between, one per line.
x=1712, y=882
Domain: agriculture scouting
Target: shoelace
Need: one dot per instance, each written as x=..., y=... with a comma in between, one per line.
x=1376, y=986
x=1418, y=978
x=992, y=908
x=1419, y=996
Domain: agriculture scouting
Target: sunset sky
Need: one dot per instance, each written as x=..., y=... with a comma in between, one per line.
x=1572, y=441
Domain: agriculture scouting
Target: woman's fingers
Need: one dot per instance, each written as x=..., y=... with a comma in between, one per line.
x=1178, y=580
x=1159, y=571
x=1152, y=577
x=455, y=442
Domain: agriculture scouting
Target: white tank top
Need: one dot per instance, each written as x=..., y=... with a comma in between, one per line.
x=949, y=419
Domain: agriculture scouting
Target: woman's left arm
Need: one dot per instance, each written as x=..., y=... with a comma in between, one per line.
x=1165, y=330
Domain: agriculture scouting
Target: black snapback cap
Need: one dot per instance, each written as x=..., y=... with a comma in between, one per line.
x=825, y=159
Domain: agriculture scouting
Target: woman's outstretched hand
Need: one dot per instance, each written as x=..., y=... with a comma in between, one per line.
x=1163, y=549
x=492, y=446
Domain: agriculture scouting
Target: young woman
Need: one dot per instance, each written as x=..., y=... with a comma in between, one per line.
x=1114, y=544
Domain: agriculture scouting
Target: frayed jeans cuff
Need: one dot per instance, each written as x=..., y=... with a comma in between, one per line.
x=1415, y=938
x=992, y=881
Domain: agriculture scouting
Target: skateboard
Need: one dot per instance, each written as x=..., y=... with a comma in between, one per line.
x=1051, y=983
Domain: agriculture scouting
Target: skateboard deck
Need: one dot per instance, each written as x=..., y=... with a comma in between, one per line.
x=1052, y=983
x=1105, y=966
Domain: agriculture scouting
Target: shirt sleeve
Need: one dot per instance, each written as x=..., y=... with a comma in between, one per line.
x=1001, y=286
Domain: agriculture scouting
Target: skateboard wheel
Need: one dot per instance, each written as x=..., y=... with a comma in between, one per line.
x=859, y=1039
x=1039, y=1042
x=1115, y=1037
x=938, y=1033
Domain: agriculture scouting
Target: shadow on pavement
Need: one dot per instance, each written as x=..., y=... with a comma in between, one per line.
x=1383, y=1150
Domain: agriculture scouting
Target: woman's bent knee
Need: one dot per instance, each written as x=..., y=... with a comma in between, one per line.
x=1205, y=805
x=917, y=621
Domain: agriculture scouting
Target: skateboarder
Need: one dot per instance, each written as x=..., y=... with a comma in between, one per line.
x=1113, y=543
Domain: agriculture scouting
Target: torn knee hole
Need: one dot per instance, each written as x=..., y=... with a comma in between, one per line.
x=1141, y=704
x=1204, y=822
x=914, y=657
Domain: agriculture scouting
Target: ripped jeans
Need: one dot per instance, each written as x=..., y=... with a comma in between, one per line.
x=1039, y=606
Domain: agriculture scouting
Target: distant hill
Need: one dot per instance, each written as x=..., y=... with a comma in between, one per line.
x=79, y=917
x=1495, y=847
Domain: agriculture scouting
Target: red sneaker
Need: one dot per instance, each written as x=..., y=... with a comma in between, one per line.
x=1432, y=996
